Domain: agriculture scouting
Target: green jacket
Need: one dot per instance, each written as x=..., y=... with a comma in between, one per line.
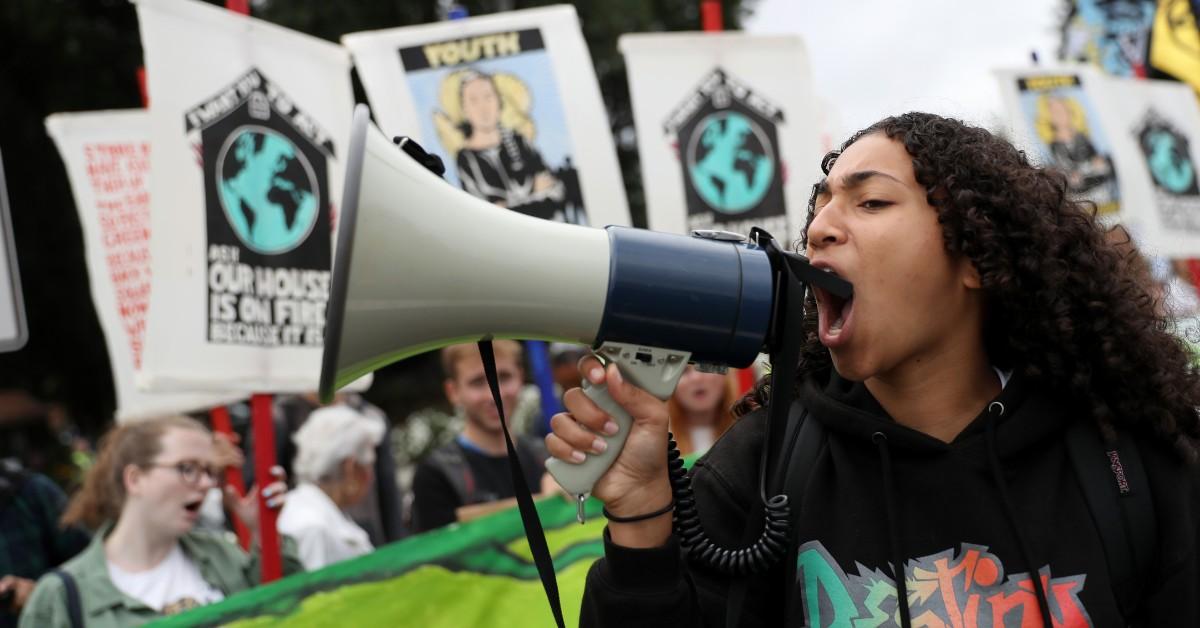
x=221, y=563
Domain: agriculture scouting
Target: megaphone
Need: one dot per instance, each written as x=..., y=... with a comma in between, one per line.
x=421, y=265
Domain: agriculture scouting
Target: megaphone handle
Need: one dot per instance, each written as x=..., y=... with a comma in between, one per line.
x=656, y=371
x=578, y=479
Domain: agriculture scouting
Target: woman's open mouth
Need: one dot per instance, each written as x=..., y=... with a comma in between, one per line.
x=834, y=315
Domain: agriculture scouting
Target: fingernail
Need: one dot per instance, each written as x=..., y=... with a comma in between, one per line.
x=615, y=376
x=577, y=456
x=610, y=428
x=598, y=445
x=596, y=375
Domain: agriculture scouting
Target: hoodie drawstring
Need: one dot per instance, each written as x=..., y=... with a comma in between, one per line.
x=893, y=524
x=996, y=409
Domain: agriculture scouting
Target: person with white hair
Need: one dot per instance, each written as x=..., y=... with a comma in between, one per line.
x=333, y=466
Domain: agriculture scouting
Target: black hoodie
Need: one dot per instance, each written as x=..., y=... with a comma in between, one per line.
x=879, y=490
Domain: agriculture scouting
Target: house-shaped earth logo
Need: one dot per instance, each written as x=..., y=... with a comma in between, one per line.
x=729, y=149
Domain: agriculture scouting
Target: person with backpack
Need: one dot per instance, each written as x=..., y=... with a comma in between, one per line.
x=31, y=541
x=473, y=468
x=998, y=428
x=142, y=498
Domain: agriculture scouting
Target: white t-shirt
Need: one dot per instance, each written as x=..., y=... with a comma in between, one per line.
x=703, y=437
x=170, y=587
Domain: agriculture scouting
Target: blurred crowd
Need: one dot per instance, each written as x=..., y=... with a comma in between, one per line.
x=144, y=521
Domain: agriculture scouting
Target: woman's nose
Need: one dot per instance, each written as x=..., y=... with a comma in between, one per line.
x=826, y=228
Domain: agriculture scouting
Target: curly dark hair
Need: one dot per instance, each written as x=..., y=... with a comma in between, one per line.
x=1064, y=305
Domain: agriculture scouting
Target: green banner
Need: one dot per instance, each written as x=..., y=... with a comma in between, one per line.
x=480, y=573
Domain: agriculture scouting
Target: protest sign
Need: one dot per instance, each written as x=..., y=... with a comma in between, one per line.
x=107, y=156
x=249, y=123
x=511, y=105
x=728, y=130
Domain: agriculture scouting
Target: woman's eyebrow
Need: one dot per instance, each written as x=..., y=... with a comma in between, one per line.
x=821, y=188
x=850, y=181
x=855, y=179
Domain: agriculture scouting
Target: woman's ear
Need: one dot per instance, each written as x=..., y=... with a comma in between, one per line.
x=131, y=477
x=970, y=275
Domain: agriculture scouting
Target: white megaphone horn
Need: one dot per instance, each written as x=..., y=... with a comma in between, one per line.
x=420, y=265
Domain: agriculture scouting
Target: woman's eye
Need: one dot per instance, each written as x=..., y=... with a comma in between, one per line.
x=875, y=204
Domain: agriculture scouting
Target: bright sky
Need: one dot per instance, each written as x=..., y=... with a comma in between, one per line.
x=874, y=58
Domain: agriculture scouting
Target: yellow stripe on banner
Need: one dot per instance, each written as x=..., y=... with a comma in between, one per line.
x=1175, y=42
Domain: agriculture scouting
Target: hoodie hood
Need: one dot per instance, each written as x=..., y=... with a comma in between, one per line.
x=848, y=409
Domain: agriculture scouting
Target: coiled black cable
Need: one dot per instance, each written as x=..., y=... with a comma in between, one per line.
x=758, y=557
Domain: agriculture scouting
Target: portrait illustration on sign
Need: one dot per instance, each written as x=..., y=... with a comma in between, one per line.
x=1068, y=131
x=493, y=106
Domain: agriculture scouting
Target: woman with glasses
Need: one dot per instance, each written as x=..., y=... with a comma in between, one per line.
x=143, y=497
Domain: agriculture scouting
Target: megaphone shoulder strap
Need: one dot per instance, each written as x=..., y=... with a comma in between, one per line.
x=529, y=517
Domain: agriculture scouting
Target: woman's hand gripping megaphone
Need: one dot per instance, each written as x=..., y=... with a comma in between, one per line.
x=612, y=441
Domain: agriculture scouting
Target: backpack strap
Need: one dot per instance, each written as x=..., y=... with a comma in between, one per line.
x=1117, y=492
x=74, y=605
x=806, y=441
x=449, y=459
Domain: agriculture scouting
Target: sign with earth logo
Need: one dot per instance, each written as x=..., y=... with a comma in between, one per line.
x=1168, y=157
x=1154, y=126
x=248, y=125
x=729, y=152
x=728, y=130
x=266, y=197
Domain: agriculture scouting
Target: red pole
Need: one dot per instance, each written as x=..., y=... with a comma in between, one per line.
x=1193, y=265
x=261, y=421
x=233, y=475
x=710, y=16
x=745, y=379
x=263, y=426
x=141, y=79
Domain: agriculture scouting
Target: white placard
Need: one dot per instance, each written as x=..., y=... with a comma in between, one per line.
x=1156, y=135
x=107, y=155
x=728, y=129
x=250, y=123
x=1059, y=116
x=509, y=102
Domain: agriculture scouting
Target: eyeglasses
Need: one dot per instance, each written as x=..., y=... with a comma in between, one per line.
x=190, y=470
